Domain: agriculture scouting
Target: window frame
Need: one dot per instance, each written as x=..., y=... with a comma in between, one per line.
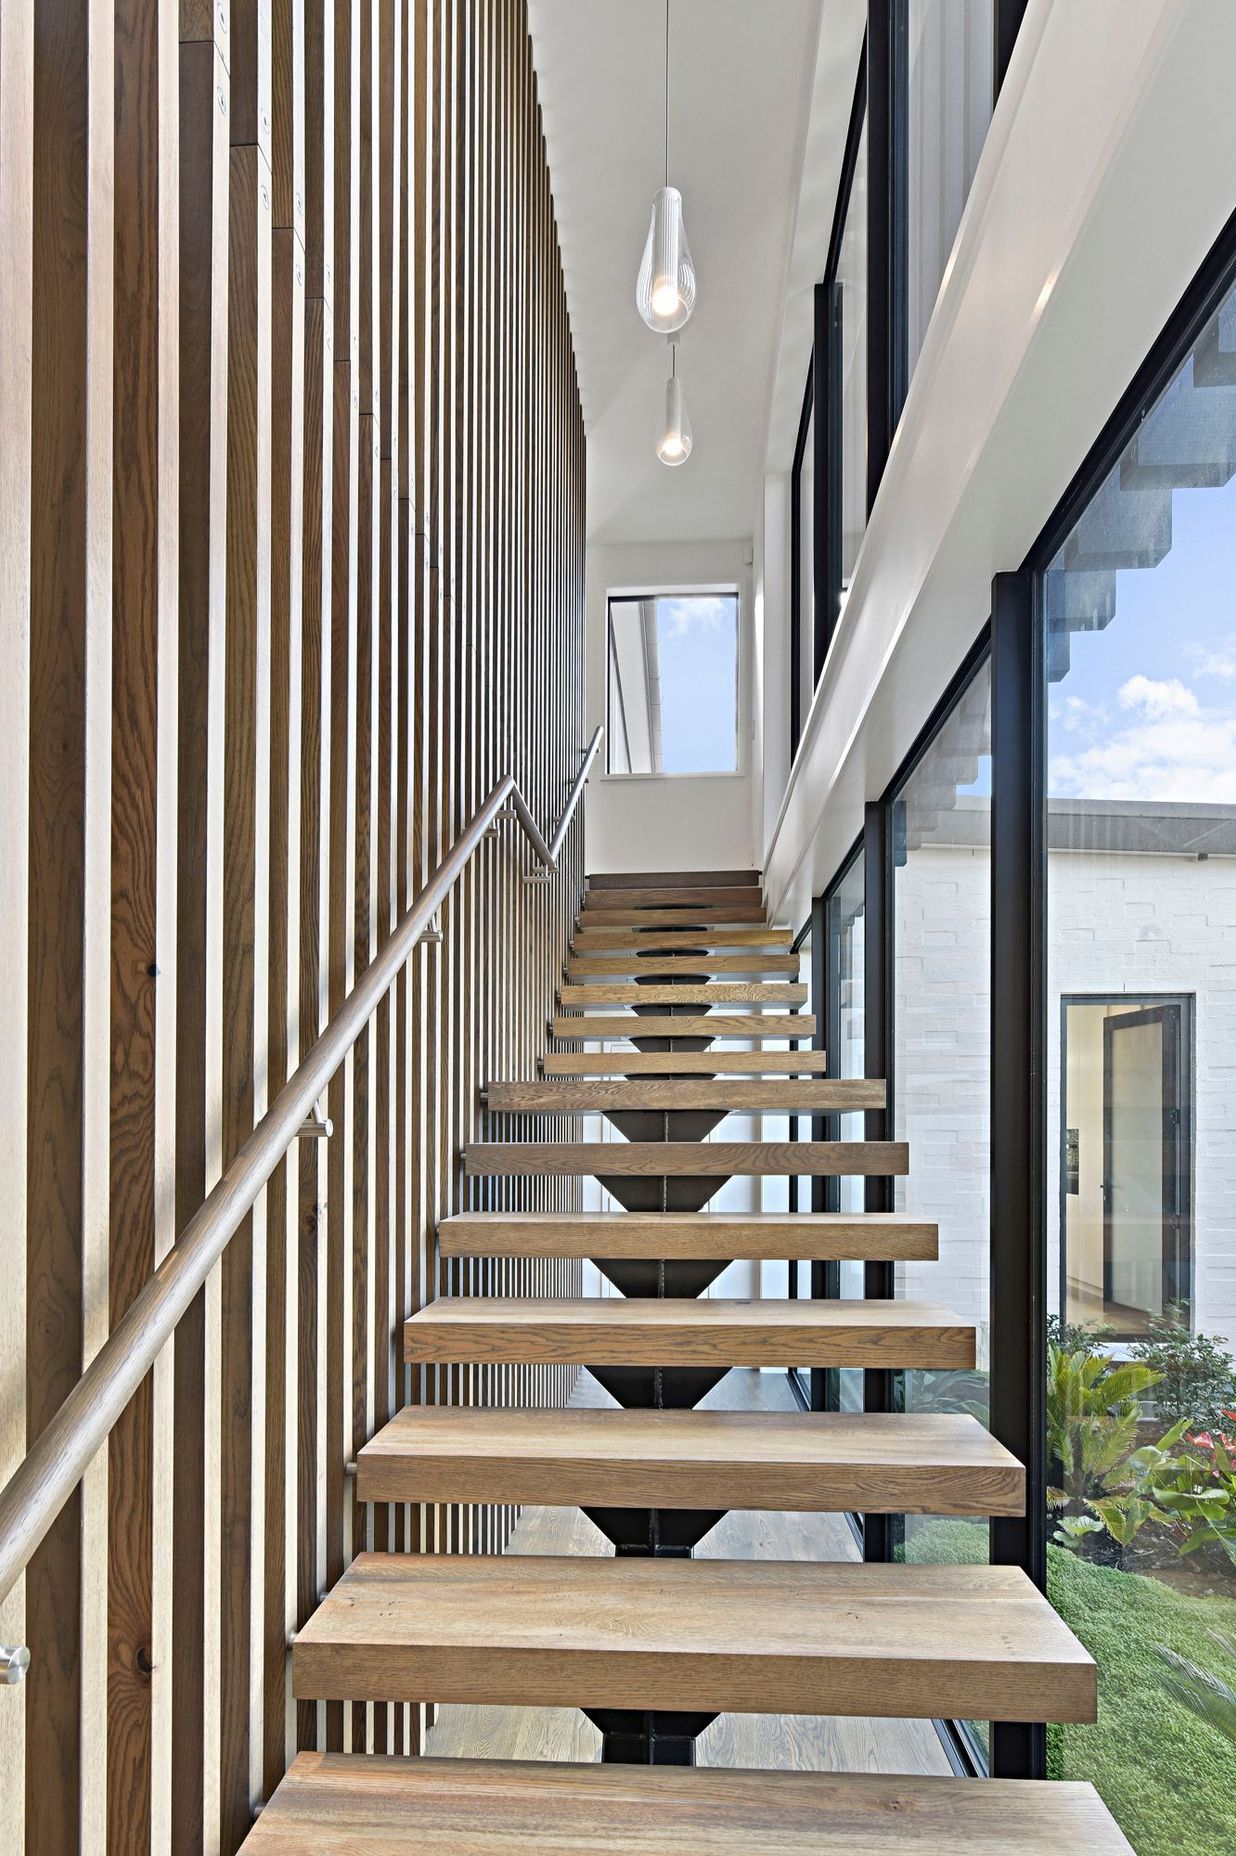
x=695, y=590
x=1186, y=1137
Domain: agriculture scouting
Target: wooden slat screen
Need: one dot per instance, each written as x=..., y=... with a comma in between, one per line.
x=291, y=570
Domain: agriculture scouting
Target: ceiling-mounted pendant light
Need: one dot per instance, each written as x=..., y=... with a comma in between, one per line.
x=665, y=289
x=674, y=443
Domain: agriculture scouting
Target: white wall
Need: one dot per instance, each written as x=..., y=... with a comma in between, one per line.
x=679, y=821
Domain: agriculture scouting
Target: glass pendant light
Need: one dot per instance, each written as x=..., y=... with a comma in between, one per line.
x=665, y=288
x=674, y=443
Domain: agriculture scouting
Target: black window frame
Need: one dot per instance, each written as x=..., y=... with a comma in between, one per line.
x=1020, y=1130
x=881, y=100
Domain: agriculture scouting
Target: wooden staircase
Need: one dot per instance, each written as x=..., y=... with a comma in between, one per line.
x=653, y=1643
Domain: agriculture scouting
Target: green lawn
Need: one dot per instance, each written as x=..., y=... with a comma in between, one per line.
x=1169, y=1778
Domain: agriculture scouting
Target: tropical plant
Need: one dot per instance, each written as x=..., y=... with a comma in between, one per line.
x=1201, y=1497
x=1196, y=1374
x=1209, y=1697
x=1093, y=1412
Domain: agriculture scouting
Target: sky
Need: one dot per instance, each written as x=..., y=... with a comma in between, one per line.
x=1148, y=708
x=698, y=644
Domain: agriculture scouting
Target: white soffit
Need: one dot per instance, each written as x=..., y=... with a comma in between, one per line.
x=741, y=79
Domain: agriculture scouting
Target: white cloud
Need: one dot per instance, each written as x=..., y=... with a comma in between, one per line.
x=698, y=613
x=1158, y=698
x=1219, y=662
x=1180, y=759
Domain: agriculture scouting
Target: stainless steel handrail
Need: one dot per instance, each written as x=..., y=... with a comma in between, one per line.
x=56, y=1462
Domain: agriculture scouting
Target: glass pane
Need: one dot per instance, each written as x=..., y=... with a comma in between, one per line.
x=806, y=572
x=673, y=684
x=845, y=919
x=948, y=110
x=1141, y=781
x=942, y=1067
x=852, y=279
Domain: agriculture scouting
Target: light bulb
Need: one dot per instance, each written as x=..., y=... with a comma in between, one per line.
x=665, y=290
x=674, y=443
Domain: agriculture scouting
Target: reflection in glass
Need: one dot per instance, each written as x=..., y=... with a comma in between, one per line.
x=845, y=921
x=806, y=571
x=852, y=282
x=948, y=109
x=1140, y=677
x=673, y=684
x=942, y=1065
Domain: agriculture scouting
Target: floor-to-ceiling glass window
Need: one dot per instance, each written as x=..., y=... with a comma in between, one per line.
x=804, y=567
x=948, y=107
x=802, y=1285
x=852, y=385
x=844, y=927
x=941, y=924
x=1139, y=619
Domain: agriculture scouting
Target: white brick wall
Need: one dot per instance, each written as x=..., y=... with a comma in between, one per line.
x=1118, y=923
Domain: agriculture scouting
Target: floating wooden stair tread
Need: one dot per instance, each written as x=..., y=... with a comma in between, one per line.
x=682, y=1062
x=585, y=1025
x=646, y=1331
x=954, y=1642
x=712, y=992
x=697, y=1159
x=330, y=1803
x=808, y=1095
x=701, y=916
x=669, y=896
x=877, y=1237
x=585, y=966
x=654, y=879
x=795, y=1460
x=666, y=940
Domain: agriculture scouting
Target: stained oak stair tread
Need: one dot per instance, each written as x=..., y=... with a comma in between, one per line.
x=667, y=940
x=672, y=895
x=696, y=1159
x=814, y=1095
x=585, y=966
x=368, y=1805
x=644, y=879
x=646, y=1331
x=712, y=992
x=762, y=1636
x=583, y=1026
x=729, y=916
x=683, y=1062
x=909, y=1463
x=877, y=1237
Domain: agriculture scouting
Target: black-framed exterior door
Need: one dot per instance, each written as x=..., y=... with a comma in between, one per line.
x=1146, y=1164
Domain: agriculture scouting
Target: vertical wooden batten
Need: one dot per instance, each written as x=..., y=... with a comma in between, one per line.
x=291, y=563
x=141, y=1179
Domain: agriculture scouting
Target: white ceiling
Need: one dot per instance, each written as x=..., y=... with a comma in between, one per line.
x=741, y=77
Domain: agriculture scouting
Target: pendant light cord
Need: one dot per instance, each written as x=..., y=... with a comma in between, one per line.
x=667, y=24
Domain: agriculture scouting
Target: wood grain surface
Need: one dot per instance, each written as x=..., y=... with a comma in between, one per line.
x=683, y=1062
x=969, y=1642
x=819, y=1159
x=453, y=1807
x=879, y=1236
x=906, y=1463
x=771, y=1097
x=618, y=1331
x=585, y=1026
